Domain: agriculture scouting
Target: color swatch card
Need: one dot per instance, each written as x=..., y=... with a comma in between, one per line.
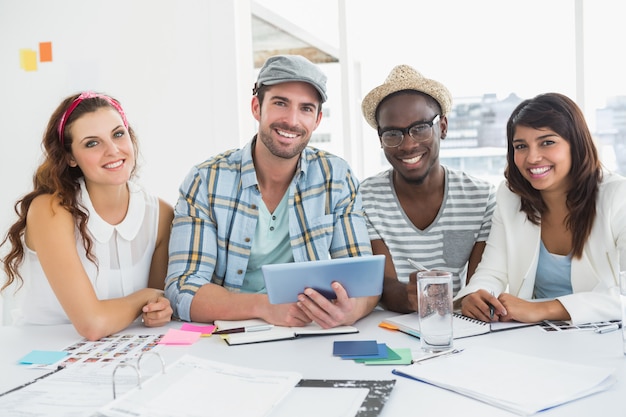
x=383, y=353
x=355, y=348
x=399, y=356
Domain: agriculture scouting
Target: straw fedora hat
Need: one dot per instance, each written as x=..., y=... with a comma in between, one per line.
x=404, y=77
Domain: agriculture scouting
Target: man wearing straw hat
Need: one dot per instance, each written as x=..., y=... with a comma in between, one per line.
x=420, y=210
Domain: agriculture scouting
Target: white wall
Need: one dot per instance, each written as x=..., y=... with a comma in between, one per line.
x=182, y=70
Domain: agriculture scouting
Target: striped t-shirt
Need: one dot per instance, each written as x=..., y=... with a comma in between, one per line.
x=463, y=219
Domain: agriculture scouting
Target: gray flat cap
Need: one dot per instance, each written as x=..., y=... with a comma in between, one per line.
x=287, y=68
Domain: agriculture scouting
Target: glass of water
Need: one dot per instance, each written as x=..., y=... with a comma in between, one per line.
x=434, y=295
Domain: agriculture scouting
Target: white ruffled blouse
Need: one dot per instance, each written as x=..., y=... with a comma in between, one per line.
x=123, y=252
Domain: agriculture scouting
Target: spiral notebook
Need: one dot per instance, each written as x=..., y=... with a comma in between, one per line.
x=462, y=326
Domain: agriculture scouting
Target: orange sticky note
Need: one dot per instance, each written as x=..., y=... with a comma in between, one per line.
x=45, y=51
x=28, y=60
x=389, y=326
x=179, y=337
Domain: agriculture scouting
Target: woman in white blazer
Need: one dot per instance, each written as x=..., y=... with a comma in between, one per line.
x=558, y=238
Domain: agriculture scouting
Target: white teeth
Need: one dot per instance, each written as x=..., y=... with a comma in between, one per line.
x=114, y=164
x=412, y=160
x=539, y=171
x=287, y=135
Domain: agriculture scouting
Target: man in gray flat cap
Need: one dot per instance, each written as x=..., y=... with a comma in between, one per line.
x=420, y=210
x=276, y=200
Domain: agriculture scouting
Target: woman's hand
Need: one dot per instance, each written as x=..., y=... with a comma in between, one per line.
x=483, y=305
x=157, y=313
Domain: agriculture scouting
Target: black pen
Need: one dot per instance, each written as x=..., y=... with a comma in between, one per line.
x=246, y=329
x=33, y=381
x=492, y=310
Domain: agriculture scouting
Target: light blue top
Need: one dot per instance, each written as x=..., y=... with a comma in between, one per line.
x=554, y=275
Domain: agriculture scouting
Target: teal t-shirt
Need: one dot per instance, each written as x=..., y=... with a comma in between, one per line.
x=270, y=245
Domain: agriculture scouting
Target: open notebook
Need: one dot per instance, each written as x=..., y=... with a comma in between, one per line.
x=275, y=332
x=462, y=326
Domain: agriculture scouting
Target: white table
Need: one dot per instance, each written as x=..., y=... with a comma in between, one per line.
x=312, y=357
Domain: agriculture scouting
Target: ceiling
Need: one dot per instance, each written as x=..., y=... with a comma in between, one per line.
x=273, y=35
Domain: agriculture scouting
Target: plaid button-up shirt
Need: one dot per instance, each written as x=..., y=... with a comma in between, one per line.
x=217, y=213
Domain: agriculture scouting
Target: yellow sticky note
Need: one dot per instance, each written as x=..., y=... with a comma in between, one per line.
x=28, y=60
x=45, y=51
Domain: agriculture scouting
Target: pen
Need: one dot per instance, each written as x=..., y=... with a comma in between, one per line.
x=33, y=381
x=436, y=355
x=417, y=265
x=607, y=329
x=491, y=309
x=246, y=329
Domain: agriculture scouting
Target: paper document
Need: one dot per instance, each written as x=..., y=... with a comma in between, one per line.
x=195, y=387
x=518, y=383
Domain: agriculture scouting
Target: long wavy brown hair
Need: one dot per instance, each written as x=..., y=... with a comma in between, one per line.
x=54, y=176
x=560, y=114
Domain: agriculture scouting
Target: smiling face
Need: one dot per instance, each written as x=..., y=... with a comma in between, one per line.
x=411, y=161
x=287, y=118
x=543, y=158
x=102, y=147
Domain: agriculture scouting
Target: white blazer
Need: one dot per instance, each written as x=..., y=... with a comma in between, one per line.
x=510, y=258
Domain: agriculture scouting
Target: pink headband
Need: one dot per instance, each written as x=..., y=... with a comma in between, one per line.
x=77, y=101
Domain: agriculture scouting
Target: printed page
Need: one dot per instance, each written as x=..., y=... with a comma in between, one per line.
x=74, y=391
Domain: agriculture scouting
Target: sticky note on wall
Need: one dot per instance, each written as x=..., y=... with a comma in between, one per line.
x=45, y=51
x=28, y=59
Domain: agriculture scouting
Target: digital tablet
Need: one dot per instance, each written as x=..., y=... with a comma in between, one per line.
x=361, y=276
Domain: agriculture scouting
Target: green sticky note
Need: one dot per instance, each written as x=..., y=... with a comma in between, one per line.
x=401, y=356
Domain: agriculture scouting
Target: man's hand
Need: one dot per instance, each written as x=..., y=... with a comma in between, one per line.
x=329, y=313
x=290, y=315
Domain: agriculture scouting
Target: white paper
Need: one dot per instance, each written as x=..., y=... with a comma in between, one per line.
x=72, y=392
x=321, y=401
x=519, y=383
x=195, y=387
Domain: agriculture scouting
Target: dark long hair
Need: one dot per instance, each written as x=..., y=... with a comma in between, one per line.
x=560, y=114
x=54, y=176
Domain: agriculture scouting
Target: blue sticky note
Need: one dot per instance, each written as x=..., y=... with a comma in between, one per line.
x=42, y=357
x=355, y=347
x=383, y=353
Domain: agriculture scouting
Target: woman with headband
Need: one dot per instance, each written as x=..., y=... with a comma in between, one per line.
x=89, y=246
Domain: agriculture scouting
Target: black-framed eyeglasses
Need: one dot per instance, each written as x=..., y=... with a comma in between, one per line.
x=419, y=132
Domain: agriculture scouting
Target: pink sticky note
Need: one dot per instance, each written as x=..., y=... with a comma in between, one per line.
x=179, y=337
x=204, y=330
